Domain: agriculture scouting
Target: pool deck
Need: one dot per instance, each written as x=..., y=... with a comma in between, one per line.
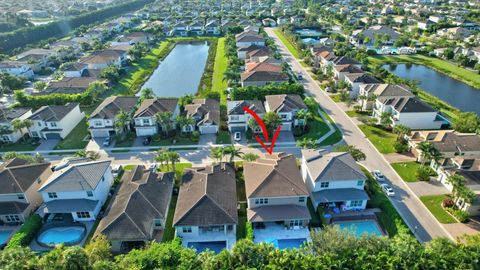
x=275, y=231
x=36, y=247
x=230, y=238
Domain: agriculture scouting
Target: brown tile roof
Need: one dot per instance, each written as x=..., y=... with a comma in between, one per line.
x=111, y=106
x=263, y=76
x=207, y=197
x=103, y=56
x=285, y=103
x=275, y=175
x=143, y=196
x=277, y=212
x=262, y=66
x=18, y=179
x=9, y=114
x=68, y=85
x=205, y=110
x=149, y=107
x=348, y=68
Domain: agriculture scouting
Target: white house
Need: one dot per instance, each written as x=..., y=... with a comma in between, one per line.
x=7, y=115
x=355, y=80
x=206, y=208
x=102, y=119
x=16, y=68
x=205, y=113
x=287, y=107
x=144, y=117
x=334, y=180
x=238, y=118
x=79, y=190
x=55, y=121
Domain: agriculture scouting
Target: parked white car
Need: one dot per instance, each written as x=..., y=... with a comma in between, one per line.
x=378, y=175
x=236, y=136
x=152, y=167
x=388, y=190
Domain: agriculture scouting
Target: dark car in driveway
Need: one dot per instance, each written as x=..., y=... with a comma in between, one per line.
x=147, y=140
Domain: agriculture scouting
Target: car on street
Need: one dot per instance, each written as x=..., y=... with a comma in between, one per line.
x=147, y=140
x=152, y=166
x=236, y=136
x=378, y=176
x=107, y=141
x=388, y=190
x=299, y=76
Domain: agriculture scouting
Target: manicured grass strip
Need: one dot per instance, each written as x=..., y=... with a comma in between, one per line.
x=179, y=140
x=74, y=140
x=359, y=114
x=336, y=98
x=434, y=204
x=287, y=43
x=450, y=69
x=383, y=140
x=317, y=127
x=20, y=145
x=407, y=170
x=221, y=61
x=223, y=137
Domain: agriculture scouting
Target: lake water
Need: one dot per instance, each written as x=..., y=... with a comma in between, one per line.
x=454, y=92
x=180, y=72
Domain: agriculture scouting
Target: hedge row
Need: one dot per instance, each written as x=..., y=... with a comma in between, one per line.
x=26, y=233
x=259, y=92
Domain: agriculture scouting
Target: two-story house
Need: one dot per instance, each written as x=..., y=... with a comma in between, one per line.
x=19, y=182
x=104, y=58
x=238, y=118
x=139, y=210
x=334, y=180
x=16, y=68
x=78, y=190
x=196, y=28
x=355, y=80
x=287, y=107
x=205, y=113
x=248, y=38
x=373, y=33
x=7, y=116
x=213, y=28
x=243, y=51
x=276, y=198
x=144, y=117
x=102, y=119
x=55, y=121
x=262, y=73
x=206, y=209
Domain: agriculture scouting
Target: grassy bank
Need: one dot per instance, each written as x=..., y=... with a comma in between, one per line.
x=287, y=43
x=221, y=61
x=383, y=140
x=445, y=67
x=205, y=85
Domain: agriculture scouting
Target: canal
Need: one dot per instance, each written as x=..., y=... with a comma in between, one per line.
x=180, y=72
x=456, y=93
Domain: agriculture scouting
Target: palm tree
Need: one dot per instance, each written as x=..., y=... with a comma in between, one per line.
x=362, y=99
x=217, y=153
x=401, y=131
x=17, y=126
x=162, y=157
x=233, y=152
x=305, y=116
x=164, y=119
x=428, y=152
x=184, y=121
x=122, y=121
x=386, y=119
x=146, y=93
x=173, y=157
x=250, y=157
x=307, y=143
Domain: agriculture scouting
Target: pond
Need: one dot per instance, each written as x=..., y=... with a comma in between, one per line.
x=180, y=72
x=456, y=93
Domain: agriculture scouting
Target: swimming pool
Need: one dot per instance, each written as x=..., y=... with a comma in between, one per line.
x=290, y=243
x=359, y=227
x=4, y=235
x=58, y=235
x=215, y=246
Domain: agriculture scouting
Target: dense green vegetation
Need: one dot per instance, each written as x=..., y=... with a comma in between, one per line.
x=205, y=84
x=26, y=233
x=259, y=92
x=219, y=84
x=28, y=35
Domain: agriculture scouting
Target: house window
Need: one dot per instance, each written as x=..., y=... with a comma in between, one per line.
x=6, y=138
x=360, y=183
x=97, y=123
x=301, y=199
x=157, y=222
x=83, y=214
x=12, y=218
x=234, y=117
x=356, y=203
x=20, y=196
x=187, y=229
x=39, y=124
x=35, y=134
x=90, y=193
x=261, y=201
x=188, y=128
x=295, y=222
x=52, y=195
x=146, y=121
x=324, y=184
x=53, y=124
x=284, y=116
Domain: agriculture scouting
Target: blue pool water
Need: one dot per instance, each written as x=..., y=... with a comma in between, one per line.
x=290, y=243
x=216, y=246
x=360, y=227
x=59, y=235
x=4, y=235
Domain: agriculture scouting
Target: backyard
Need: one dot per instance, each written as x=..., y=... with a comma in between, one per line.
x=407, y=170
x=434, y=204
x=382, y=139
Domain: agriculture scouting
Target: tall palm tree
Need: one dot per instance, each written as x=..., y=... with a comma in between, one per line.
x=401, y=131
x=122, y=120
x=233, y=152
x=146, y=93
x=164, y=119
x=305, y=116
x=217, y=153
x=426, y=149
x=386, y=119
x=162, y=157
x=250, y=157
x=173, y=157
x=17, y=126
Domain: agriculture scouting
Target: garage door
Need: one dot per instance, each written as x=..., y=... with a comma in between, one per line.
x=52, y=136
x=100, y=133
x=237, y=129
x=145, y=131
x=286, y=127
x=208, y=129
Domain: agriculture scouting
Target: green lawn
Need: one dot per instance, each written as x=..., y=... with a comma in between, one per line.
x=287, y=43
x=336, y=136
x=223, y=137
x=434, y=204
x=221, y=61
x=20, y=145
x=336, y=98
x=74, y=140
x=317, y=127
x=179, y=140
x=407, y=170
x=383, y=140
x=450, y=69
x=358, y=114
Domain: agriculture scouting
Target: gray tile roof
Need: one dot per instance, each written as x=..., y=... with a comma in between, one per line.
x=236, y=107
x=53, y=112
x=339, y=194
x=143, y=196
x=285, y=103
x=411, y=105
x=334, y=166
x=9, y=114
x=12, y=208
x=207, y=197
x=70, y=205
x=277, y=212
x=205, y=110
x=77, y=177
x=111, y=106
x=275, y=175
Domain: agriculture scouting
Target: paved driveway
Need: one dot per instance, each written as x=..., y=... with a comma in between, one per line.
x=46, y=145
x=207, y=139
x=406, y=202
x=432, y=187
x=285, y=136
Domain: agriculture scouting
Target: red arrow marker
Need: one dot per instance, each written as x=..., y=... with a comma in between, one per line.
x=265, y=132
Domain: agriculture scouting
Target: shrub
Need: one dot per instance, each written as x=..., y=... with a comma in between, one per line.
x=462, y=216
x=297, y=131
x=259, y=92
x=400, y=147
x=249, y=231
x=26, y=233
x=447, y=203
x=195, y=136
x=423, y=173
x=213, y=95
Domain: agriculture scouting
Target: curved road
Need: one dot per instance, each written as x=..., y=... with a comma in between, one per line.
x=419, y=219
